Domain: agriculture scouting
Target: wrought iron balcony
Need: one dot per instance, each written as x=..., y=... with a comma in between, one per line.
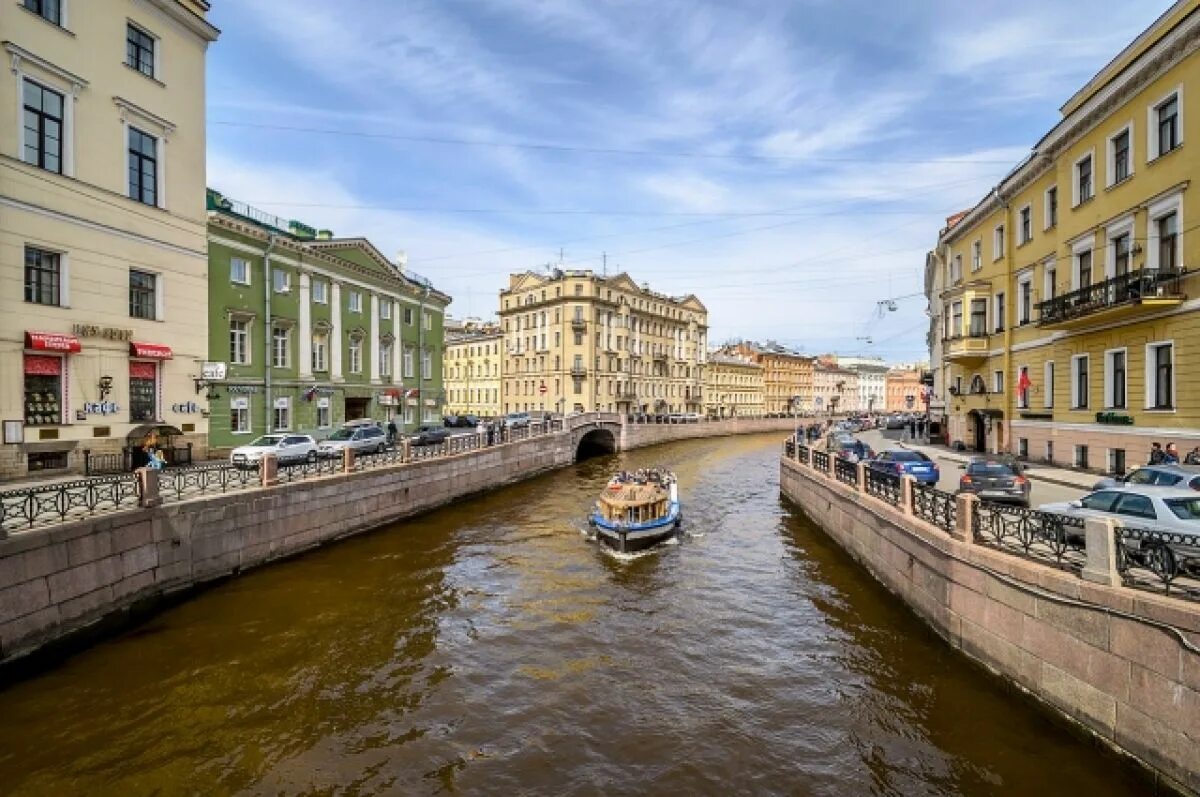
x=578, y=371
x=626, y=395
x=578, y=323
x=1118, y=296
x=660, y=357
x=970, y=348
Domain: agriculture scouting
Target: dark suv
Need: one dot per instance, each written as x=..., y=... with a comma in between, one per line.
x=429, y=435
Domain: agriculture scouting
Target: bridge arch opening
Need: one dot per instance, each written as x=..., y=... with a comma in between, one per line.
x=595, y=443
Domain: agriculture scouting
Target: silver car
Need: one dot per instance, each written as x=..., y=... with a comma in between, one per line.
x=363, y=439
x=1161, y=475
x=287, y=448
x=1168, y=509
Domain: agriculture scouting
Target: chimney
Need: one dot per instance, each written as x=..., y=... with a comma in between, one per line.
x=401, y=260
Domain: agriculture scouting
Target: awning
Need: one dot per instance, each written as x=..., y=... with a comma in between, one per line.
x=152, y=351
x=52, y=341
x=140, y=434
x=987, y=412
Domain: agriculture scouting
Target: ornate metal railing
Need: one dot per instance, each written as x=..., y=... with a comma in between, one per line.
x=1158, y=560
x=322, y=466
x=820, y=461
x=845, y=471
x=935, y=506
x=1043, y=536
x=421, y=453
x=789, y=448
x=379, y=459
x=1111, y=292
x=884, y=486
x=174, y=484
x=802, y=452
x=57, y=503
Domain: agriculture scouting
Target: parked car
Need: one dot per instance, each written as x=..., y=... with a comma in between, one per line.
x=847, y=447
x=1156, y=476
x=995, y=479
x=361, y=438
x=287, y=448
x=901, y=461
x=1172, y=509
x=515, y=420
x=460, y=421
x=895, y=422
x=429, y=435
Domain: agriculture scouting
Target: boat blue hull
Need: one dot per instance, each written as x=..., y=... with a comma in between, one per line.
x=632, y=537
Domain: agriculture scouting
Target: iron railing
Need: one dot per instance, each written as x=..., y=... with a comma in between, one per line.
x=177, y=483
x=935, y=506
x=845, y=471
x=884, y=486
x=789, y=448
x=820, y=461
x=1159, y=560
x=62, y=501
x=1111, y=292
x=321, y=466
x=1043, y=536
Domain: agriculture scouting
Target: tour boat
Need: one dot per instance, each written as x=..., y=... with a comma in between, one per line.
x=637, y=510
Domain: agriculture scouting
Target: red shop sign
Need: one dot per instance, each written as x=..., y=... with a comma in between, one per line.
x=52, y=341
x=153, y=351
x=36, y=365
x=143, y=370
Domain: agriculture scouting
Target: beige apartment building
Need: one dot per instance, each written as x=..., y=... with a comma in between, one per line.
x=474, y=353
x=577, y=341
x=104, y=313
x=733, y=387
x=835, y=389
x=787, y=376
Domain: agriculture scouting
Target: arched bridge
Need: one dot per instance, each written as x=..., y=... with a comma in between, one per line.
x=594, y=433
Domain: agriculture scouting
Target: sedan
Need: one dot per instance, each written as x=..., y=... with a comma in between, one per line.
x=902, y=461
x=1157, y=476
x=429, y=435
x=287, y=448
x=363, y=439
x=995, y=479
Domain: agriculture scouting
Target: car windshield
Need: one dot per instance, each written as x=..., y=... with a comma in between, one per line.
x=989, y=469
x=1143, y=476
x=1184, y=508
x=342, y=434
x=268, y=440
x=909, y=456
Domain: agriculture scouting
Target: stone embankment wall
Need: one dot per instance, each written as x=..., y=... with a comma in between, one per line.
x=637, y=435
x=1123, y=663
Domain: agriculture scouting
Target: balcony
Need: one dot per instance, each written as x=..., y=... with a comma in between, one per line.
x=1113, y=299
x=966, y=350
x=578, y=323
x=660, y=357
x=626, y=395
x=578, y=371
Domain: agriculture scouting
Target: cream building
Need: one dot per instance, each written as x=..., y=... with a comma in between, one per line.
x=872, y=381
x=835, y=388
x=733, y=387
x=576, y=341
x=474, y=353
x=787, y=376
x=103, y=316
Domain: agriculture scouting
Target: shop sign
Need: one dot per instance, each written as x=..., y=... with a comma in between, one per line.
x=52, y=341
x=151, y=351
x=241, y=403
x=281, y=403
x=108, y=333
x=212, y=371
x=185, y=407
x=242, y=388
x=101, y=408
x=323, y=403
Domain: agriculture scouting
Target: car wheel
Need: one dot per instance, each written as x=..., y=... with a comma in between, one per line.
x=310, y=457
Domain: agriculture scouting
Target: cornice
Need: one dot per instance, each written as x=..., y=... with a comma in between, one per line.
x=190, y=21
x=17, y=54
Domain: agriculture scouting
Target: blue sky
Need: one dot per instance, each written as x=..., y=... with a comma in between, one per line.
x=789, y=162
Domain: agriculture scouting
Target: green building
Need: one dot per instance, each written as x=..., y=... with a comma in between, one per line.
x=307, y=331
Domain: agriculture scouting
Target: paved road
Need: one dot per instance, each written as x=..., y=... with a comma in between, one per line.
x=1043, y=492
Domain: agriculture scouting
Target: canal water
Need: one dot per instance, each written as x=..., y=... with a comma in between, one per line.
x=488, y=648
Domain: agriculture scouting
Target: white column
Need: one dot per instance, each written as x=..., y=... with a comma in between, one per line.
x=398, y=343
x=305, y=332
x=373, y=349
x=335, y=333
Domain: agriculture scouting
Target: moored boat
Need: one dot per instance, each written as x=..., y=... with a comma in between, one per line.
x=637, y=510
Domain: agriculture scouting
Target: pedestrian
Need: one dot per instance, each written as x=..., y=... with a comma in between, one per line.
x=1193, y=457
x=860, y=451
x=1171, y=456
x=392, y=431
x=912, y=428
x=1156, y=454
x=491, y=433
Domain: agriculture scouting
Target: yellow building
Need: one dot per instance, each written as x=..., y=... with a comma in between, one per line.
x=104, y=315
x=1064, y=314
x=788, y=387
x=472, y=376
x=576, y=341
x=733, y=387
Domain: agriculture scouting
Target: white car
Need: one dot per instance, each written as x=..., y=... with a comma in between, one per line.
x=362, y=438
x=287, y=448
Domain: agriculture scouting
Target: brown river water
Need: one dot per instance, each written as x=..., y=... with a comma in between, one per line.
x=489, y=648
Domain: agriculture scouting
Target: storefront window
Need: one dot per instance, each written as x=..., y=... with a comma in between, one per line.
x=143, y=403
x=239, y=415
x=43, y=390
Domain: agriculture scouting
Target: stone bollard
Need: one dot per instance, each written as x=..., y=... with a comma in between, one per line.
x=148, y=495
x=347, y=460
x=964, y=523
x=1101, y=567
x=862, y=476
x=907, y=484
x=268, y=470
x=406, y=450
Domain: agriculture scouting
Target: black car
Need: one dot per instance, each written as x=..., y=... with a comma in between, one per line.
x=460, y=421
x=429, y=435
x=995, y=479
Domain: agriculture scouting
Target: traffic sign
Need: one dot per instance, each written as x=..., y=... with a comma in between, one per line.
x=542, y=389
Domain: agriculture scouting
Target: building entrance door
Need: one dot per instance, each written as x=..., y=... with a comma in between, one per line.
x=980, y=434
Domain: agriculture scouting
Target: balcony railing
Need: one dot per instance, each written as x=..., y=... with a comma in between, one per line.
x=1131, y=288
x=578, y=371
x=579, y=323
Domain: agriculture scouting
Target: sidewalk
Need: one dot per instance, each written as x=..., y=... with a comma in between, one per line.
x=1046, y=473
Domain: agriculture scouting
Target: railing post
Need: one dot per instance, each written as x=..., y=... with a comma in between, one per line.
x=907, y=483
x=347, y=460
x=964, y=509
x=148, y=495
x=406, y=450
x=1101, y=567
x=862, y=476
x=268, y=470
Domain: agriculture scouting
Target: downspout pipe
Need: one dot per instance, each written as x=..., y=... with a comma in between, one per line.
x=1009, y=380
x=268, y=353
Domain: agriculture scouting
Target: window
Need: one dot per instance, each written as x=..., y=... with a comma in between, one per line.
x=239, y=271
x=143, y=391
x=956, y=319
x=426, y=365
x=956, y=269
x=1119, y=164
x=320, y=292
x=43, y=127
x=43, y=277
x=355, y=302
x=1167, y=229
x=1051, y=200
x=356, y=348
x=998, y=242
x=43, y=390
x=239, y=414
x=1026, y=219
x=978, y=318
x=280, y=347
x=49, y=10
x=139, y=50
x=385, y=309
x=1023, y=447
x=1165, y=125
x=976, y=255
x=239, y=342
x=323, y=421
x=143, y=167
x=1079, y=382
x=1114, y=379
x=1001, y=312
x=142, y=294
x=1116, y=461
x=1048, y=385
x=1025, y=300
x=997, y=381
x=1083, y=262
x=1121, y=254
x=1081, y=456
x=1050, y=282
x=1160, y=376
x=282, y=414
x=408, y=316
x=281, y=280
x=427, y=321
x=385, y=359
x=408, y=363
x=1083, y=179
x=320, y=351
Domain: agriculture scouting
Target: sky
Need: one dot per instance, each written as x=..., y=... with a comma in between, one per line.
x=790, y=162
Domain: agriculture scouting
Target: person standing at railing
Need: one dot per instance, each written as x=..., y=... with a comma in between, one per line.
x=1171, y=455
x=1156, y=454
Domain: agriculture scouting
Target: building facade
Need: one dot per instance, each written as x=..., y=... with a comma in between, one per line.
x=576, y=341
x=787, y=377
x=1066, y=322
x=474, y=356
x=102, y=164
x=835, y=389
x=733, y=387
x=307, y=331
x=904, y=391
x=872, y=381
